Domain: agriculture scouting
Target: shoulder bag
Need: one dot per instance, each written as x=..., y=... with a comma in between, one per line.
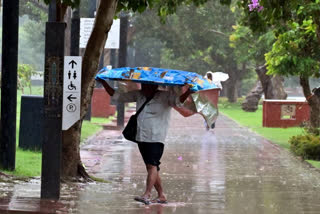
x=130, y=131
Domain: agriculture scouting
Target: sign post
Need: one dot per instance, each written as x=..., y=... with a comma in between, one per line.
x=71, y=91
x=53, y=80
x=9, y=84
x=122, y=62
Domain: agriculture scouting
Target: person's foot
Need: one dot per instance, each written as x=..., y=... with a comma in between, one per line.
x=159, y=201
x=143, y=199
x=213, y=125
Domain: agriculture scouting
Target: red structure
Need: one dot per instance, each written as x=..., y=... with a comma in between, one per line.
x=100, y=104
x=285, y=113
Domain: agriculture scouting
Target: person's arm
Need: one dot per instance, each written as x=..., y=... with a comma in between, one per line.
x=106, y=86
x=185, y=95
x=131, y=96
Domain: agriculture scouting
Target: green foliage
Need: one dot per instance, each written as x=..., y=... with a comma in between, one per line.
x=307, y=146
x=248, y=82
x=195, y=39
x=31, y=43
x=71, y=3
x=34, y=9
x=25, y=72
x=296, y=52
x=164, y=7
x=311, y=130
x=314, y=163
x=296, y=25
x=251, y=46
x=88, y=129
x=33, y=15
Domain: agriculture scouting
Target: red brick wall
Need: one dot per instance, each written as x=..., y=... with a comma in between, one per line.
x=100, y=104
x=272, y=113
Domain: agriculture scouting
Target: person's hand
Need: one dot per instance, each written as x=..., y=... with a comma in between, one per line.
x=99, y=80
x=189, y=91
x=185, y=95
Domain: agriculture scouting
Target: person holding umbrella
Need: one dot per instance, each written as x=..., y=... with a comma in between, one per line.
x=152, y=124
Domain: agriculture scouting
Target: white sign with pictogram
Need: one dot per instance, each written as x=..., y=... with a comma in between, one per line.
x=71, y=91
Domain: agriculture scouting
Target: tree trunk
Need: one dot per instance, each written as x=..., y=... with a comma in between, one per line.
x=272, y=85
x=71, y=165
x=70, y=150
x=231, y=90
x=232, y=85
x=313, y=101
x=251, y=102
x=67, y=40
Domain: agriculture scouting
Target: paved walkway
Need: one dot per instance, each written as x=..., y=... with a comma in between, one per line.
x=226, y=170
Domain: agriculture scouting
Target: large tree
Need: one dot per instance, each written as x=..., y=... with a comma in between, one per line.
x=251, y=48
x=72, y=166
x=195, y=39
x=296, y=52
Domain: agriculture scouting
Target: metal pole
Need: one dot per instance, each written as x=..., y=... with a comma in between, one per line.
x=122, y=61
x=9, y=83
x=92, y=8
x=52, y=17
x=53, y=92
x=75, y=32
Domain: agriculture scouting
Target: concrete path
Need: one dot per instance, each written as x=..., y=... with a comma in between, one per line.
x=225, y=170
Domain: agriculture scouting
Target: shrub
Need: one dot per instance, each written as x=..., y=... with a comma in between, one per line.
x=307, y=146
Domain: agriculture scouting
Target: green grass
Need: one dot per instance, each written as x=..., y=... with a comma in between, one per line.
x=314, y=163
x=89, y=128
x=253, y=120
x=28, y=163
x=100, y=120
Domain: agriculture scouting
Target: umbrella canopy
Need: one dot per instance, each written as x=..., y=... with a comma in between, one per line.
x=159, y=76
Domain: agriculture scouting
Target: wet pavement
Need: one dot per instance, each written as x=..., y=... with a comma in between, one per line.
x=225, y=170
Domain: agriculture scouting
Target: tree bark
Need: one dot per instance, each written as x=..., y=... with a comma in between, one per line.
x=67, y=40
x=313, y=101
x=95, y=46
x=232, y=85
x=71, y=151
x=61, y=11
x=231, y=90
x=72, y=165
x=250, y=104
x=272, y=85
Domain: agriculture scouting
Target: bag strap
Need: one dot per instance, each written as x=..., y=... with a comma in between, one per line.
x=143, y=105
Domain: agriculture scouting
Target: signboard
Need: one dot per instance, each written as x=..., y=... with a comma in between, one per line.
x=288, y=112
x=86, y=26
x=71, y=91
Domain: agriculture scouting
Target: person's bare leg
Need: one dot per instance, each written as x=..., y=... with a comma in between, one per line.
x=151, y=180
x=158, y=186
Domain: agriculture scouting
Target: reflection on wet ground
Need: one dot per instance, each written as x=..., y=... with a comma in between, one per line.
x=225, y=170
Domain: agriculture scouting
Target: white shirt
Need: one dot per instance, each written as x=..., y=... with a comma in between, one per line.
x=153, y=120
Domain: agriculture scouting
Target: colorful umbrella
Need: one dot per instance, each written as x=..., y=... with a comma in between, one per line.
x=159, y=76
x=204, y=101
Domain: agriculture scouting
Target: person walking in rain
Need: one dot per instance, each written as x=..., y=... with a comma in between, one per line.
x=152, y=126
